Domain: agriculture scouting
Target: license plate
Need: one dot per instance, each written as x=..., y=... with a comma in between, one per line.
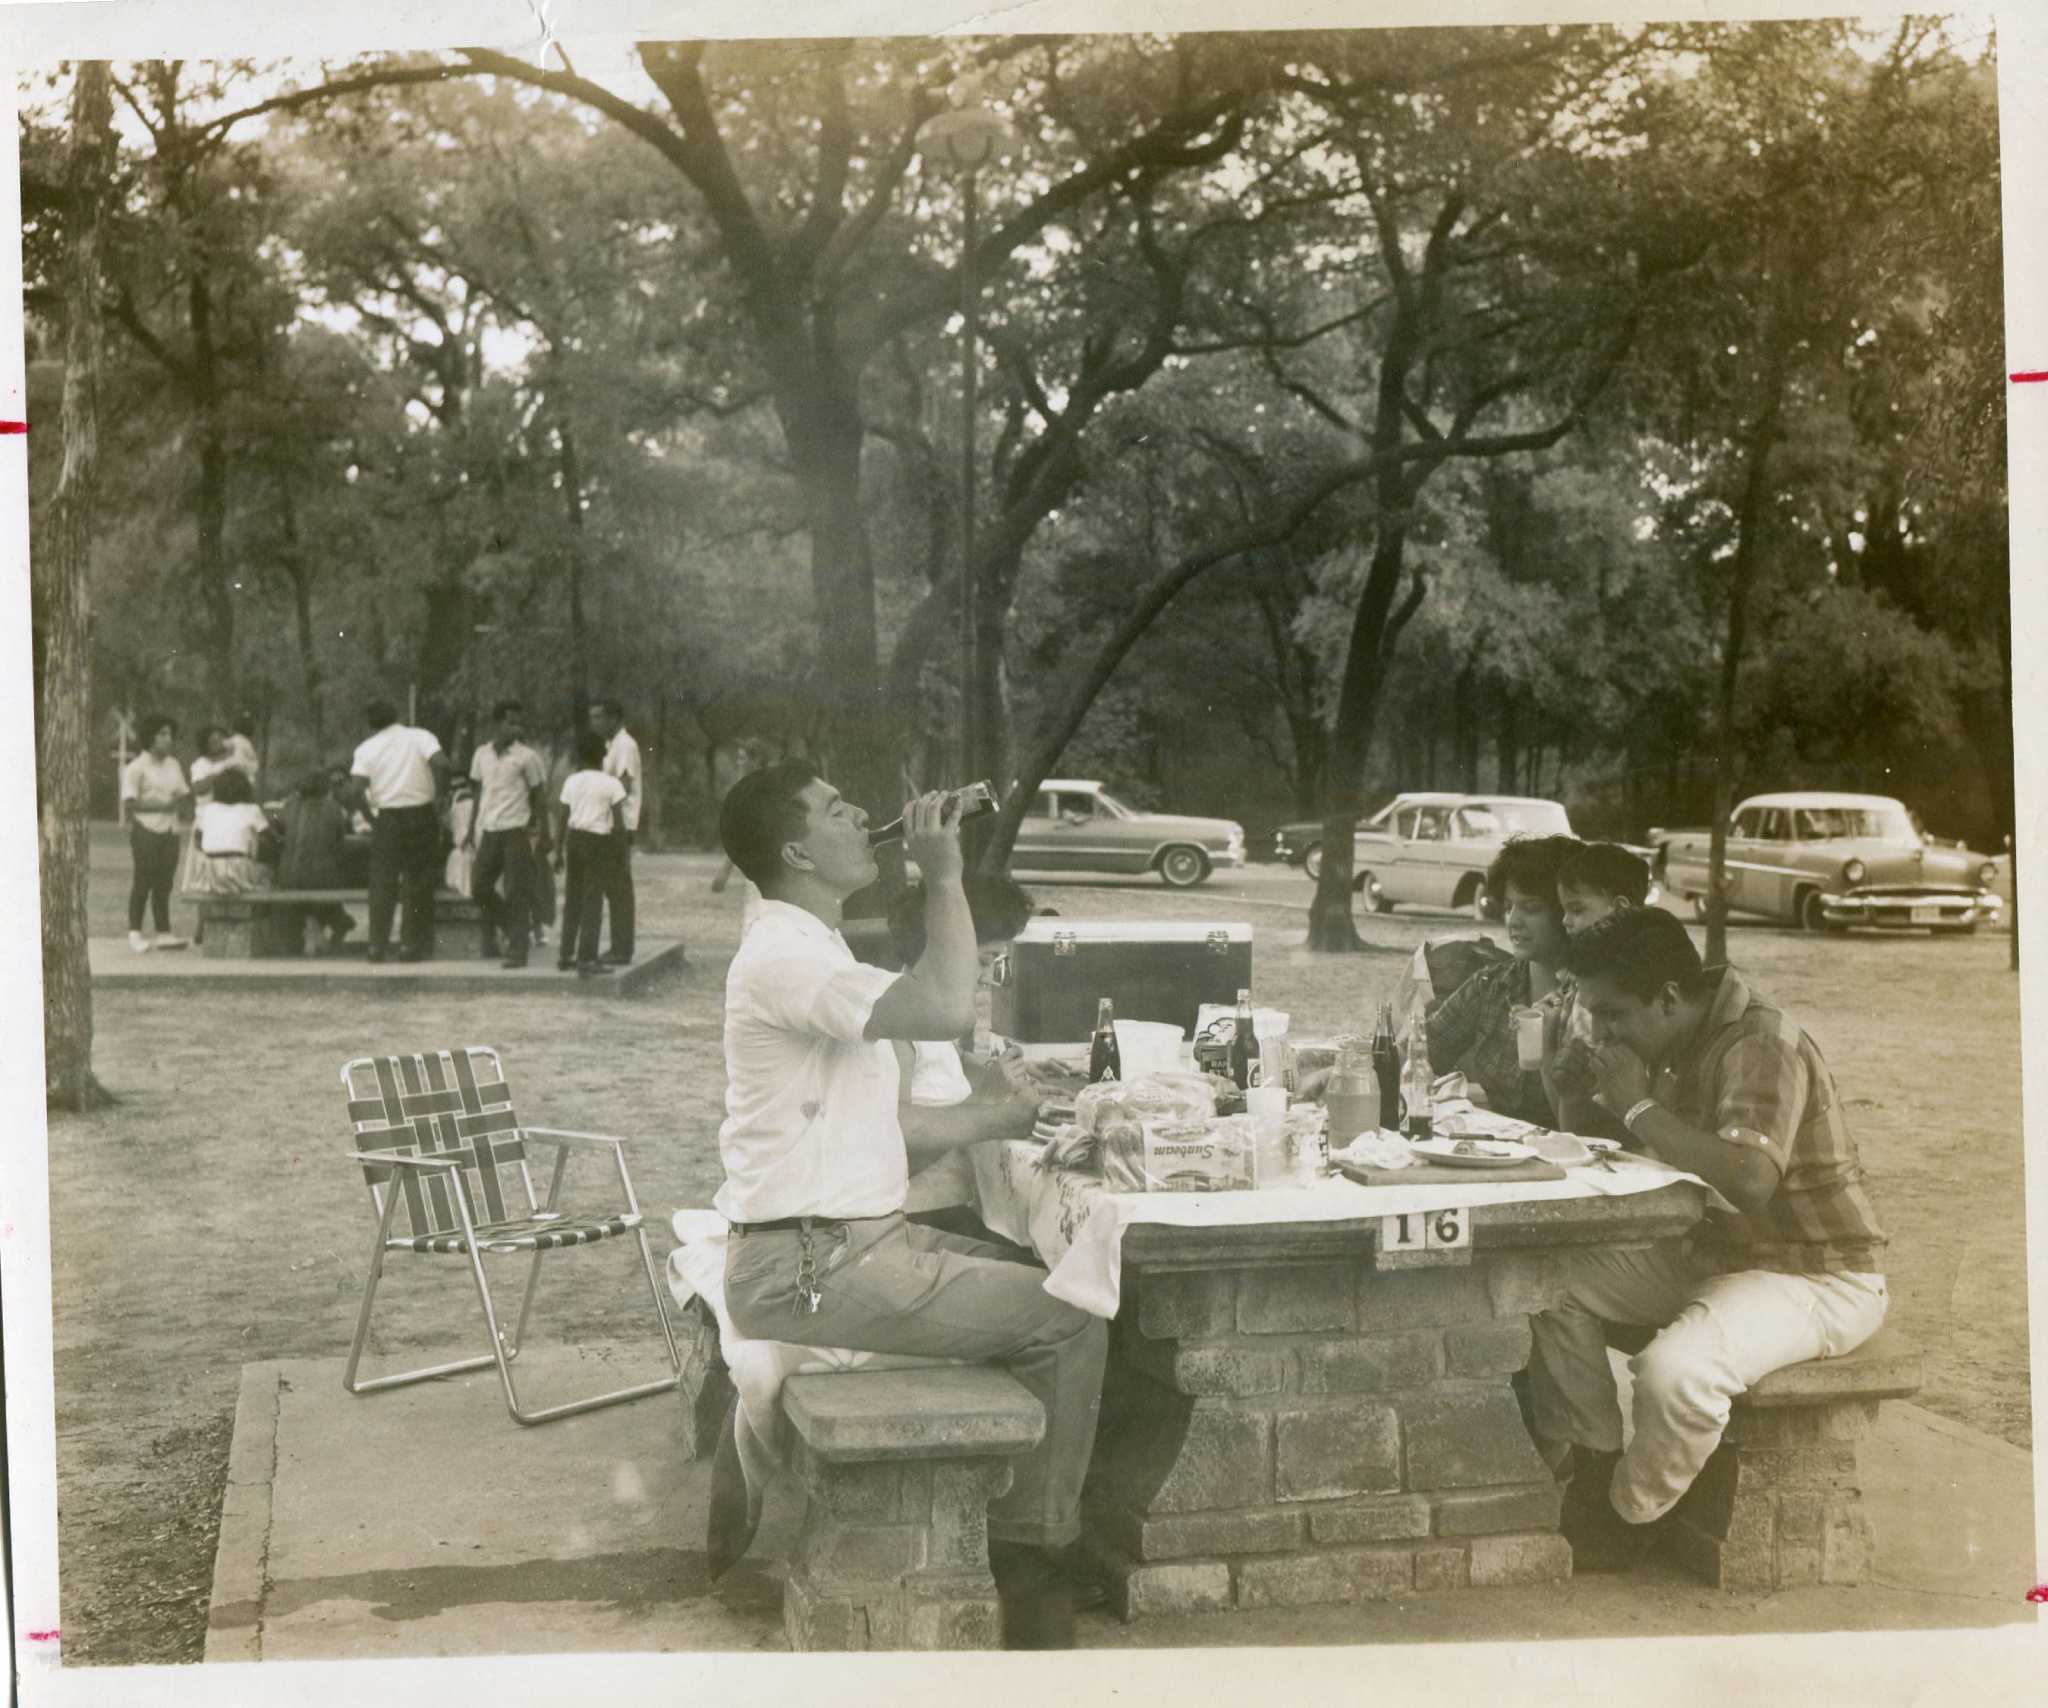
x=1926, y=916
x=1425, y=1239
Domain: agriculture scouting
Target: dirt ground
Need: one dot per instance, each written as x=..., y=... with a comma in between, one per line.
x=209, y=1220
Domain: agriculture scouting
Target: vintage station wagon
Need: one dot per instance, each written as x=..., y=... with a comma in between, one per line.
x=1824, y=860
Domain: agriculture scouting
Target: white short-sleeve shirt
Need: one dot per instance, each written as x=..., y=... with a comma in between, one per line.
x=590, y=797
x=395, y=761
x=504, y=785
x=810, y=1125
x=937, y=1081
x=146, y=777
x=622, y=760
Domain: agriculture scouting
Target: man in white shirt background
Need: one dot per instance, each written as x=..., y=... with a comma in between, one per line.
x=510, y=804
x=153, y=789
x=621, y=760
x=816, y=1167
x=401, y=775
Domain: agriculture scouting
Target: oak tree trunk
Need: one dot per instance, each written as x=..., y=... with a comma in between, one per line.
x=64, y=745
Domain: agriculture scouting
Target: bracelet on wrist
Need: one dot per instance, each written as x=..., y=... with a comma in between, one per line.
x=1636, y=1111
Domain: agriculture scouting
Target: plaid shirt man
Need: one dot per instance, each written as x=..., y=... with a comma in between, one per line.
x=1755, y=1078
x=1473, y=1031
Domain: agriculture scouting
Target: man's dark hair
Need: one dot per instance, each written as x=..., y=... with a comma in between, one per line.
x=231, y=788
x=1530, y=864
x=999, y=905
x=590, y=750
x=1606, y=869
x=612, y=708
x=503, y=707
x=154, y=722
x=762, y=811
x=380, y=713
x=206, y=734
x=1642, y=949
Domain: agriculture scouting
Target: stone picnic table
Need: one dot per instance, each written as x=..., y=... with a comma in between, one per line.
x=1306, y=1403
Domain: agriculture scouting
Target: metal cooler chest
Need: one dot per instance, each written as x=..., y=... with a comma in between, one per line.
x=1152, y=969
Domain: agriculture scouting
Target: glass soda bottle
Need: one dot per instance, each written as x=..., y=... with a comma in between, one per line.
x=1386, y=1063
x=1416, y=1079
x=1105, y=1061
x=1244, y=1052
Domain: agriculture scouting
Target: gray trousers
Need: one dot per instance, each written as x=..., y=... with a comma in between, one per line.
x=888, y=1285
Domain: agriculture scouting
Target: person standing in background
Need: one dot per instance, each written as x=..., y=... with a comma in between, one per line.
x=211, y=761
x=621, y=760
x=592, y=823
x=508, y=776
x=400, y=775
x=241, y=749
x=153, y=789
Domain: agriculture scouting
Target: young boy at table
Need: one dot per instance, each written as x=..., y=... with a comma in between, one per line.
x=950, y=1099
x=1596, y=880
x=816, y=1168
x=1710, y=1077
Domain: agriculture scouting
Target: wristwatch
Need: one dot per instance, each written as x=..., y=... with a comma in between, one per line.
x=1635, y=1111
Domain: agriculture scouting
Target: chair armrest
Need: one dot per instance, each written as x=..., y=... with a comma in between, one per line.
x=579, y=1141
x=398, y=1159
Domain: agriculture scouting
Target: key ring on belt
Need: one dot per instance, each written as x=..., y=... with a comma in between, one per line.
x=807, y=1298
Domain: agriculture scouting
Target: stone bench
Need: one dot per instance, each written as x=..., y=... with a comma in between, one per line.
x=899, y=1467
x=268, y=924
x=1780, y=1502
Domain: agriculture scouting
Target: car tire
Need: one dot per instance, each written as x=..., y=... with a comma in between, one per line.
x=1811, y=915
x=1478, y=900
x=1312, y=860
x=1182, y=868
x=1967, y=929
x=1376, y=895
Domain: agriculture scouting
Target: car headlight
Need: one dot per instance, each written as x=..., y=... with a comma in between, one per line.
x=1987, y=875
x=1854, y=872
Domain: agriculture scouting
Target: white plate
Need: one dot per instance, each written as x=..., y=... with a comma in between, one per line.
x=1567, y=1150
x=1497, y=1153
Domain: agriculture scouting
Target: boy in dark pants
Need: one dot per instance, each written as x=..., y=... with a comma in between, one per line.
x=591, y=821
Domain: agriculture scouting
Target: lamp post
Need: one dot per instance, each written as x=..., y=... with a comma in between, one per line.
x=967, y=139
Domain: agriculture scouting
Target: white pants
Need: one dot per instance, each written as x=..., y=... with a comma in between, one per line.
x=1720, y=1334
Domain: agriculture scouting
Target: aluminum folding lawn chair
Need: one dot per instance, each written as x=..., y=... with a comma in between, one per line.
x=436, y=1135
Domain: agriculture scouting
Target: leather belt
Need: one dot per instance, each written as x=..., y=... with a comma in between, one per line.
x=789, y=1225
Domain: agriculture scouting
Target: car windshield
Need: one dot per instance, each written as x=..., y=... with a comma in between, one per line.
x=1833, y=824
x=1530, y=818
x=1110, y=806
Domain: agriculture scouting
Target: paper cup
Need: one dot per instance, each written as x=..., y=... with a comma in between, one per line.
x=1529, y=1038
x=1148, y=1046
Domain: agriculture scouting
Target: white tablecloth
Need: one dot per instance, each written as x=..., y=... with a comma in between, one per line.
x=1076, y=1224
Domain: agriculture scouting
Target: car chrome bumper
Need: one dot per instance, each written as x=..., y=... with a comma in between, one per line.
x=1231, y=856
x=1903, y=909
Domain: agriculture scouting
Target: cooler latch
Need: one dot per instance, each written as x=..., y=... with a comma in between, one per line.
x=1063, y=942
x=1219, y=942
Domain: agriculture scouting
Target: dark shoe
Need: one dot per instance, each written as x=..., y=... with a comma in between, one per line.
x=565, y=966
x=1602, y=1540
x=512, y=961
x=594, y=970
x=612, y=958
x=376, y=955
x=1037, y=1597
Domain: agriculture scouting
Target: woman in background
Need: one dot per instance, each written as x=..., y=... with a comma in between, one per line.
x=154, y=790
x=230, y=838
x=213, y=759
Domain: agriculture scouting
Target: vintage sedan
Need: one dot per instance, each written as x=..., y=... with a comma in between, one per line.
x=1431, y=850
x=1075, y=825
x=1823, y=860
